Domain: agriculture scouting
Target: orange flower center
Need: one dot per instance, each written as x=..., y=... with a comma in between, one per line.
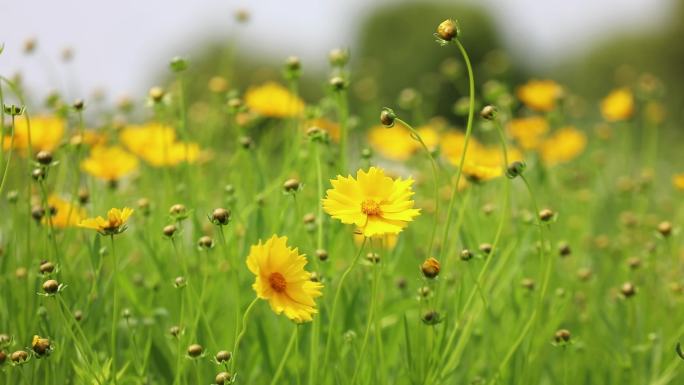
x=370, y=207
x=277, y=282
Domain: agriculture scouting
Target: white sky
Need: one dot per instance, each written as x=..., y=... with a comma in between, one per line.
x=123, y=46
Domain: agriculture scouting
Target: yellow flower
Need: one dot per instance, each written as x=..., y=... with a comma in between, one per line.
x=89, y=137
x=429, y=135
x=563, y=146
x=452, y=146
x=46, y=133
x=274, y=101
x=65, y=214
x=618, y=105
x=109, y=163
x=540, y=95
x=486, y=163
x=528, y=132
x=114, y=224
x=282, y=280
x=393, y=143
x=678, y=181
x=157, y=145
x=373, y=202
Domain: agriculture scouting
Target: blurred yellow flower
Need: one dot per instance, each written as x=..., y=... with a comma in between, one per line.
x=618, y=105
x=109, y=163
x=157, y=145
x=451, y=146
x=678, y=181
x=563, y=146
x=90, y=138
x=114, y=224
x=46, y=133
x=540, y=95
x=274, y=101
x=282, y=280
x=64, y=214
x=528, y=132
x=487, y=162
x=393, y=143
x=373, y=202
x=429, y=135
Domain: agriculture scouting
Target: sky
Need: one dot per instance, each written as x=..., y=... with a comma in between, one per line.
x=123, y=46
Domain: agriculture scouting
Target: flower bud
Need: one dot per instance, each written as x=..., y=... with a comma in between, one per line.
x=466, y=255
x=223, y=356
x=156, y=94
x=222, y=378
x=178, y=64
x=337, y=83
x=430, y=268
x=665, y=228
x=515, y=169
x=309, y=218
x=47, y=267
x=486, y=248
x=50, y=286
x=488, y=112
x=38, y=174
x=447, y=30
x=527, y=283
x=83, y=196
x=169, y=230
x=40, y=346
x=293, y=64
x=562, y=335
x=546, y=215
x=338, y=57
x=195, y=350
x=322, y=255
x=246, y=142
x=178, y=210
x=430, y=317
x=3, y=357
x=564, y=249
x=634, y=263
x=174, y=331
x=291, y=185
x=78, y=105
x=220, y=216
x=19, y=356
x=387, y=117
x=44, y=157
x=205, y=242
x=373, y=257
x=628, y=289
x=12, y=196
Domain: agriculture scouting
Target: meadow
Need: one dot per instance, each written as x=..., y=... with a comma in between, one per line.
x=531, y=237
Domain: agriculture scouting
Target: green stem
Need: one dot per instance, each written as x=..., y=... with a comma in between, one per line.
x=236, y=346
x=288, y=349
x=343, y=114
x=115, y=309
x=371, y=319
x=469, y=128
x=331, y=332
x=9, y=155
x=435, y=181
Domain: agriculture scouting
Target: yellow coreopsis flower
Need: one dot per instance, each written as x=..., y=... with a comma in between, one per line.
x=282, y=280
x=393, y=143
x=678, y=181
x=109, y=163
x=618, y=105
x=528, y=132
x=564, y=145
x=373, y=202
x=157, y=145
x=64, y=214
x=45, y=135
x=486, y=163
x=274, y=101
x=452, y=146
x=114, y=224
x=540, y=95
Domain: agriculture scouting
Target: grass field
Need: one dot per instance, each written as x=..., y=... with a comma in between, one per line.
x=531, y=237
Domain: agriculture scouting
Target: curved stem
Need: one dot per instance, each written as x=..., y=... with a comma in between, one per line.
x=115, y=309
x=371, y=319
x=245, y=318
x=469, y=129
x=435, y=180
x=328, y=343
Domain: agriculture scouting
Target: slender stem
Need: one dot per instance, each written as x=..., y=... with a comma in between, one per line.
x=331, y=332
x=115, y=309
x=343, y=112
x=371, y=319
x=236, y=346
x=288, y=349
x=435, y=181
x=319, y=186
x=469, y=128
x=9, y=155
